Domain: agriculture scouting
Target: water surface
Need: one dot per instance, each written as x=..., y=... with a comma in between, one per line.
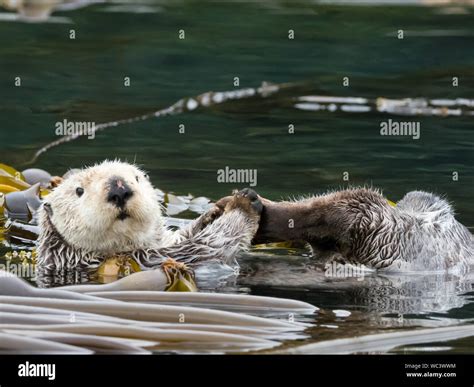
x=83, y=80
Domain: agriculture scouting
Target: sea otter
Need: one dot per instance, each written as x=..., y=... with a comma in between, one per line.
x=112, y=209
x=419, y=233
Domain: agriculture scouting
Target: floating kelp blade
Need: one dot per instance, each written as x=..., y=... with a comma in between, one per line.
x=156, y=335
x=115, y=267
x=144, y=280
x=186, y=104
x=5, y=188
x=401, y=106
x=30, y=315
x=13, y=182
x=385, y=341
x=220, y=301
x=180, y=277
x=7, y=170
x=18, y=344
x=23, y=231
x=36, y=175
x=155, y=312
x=171, y=279
x=94, y=343
x=11, y=285
x=70, y=321
x=22, y=205
x=182, y=283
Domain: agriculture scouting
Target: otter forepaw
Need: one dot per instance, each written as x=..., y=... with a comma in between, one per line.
x=246, y=200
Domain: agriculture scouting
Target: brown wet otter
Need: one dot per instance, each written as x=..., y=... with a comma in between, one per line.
x=359, y=226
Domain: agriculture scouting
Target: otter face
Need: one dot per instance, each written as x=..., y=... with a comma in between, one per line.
x=109, y=208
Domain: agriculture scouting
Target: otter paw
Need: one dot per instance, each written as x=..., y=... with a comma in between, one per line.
x=246, y=200
x=211, y=215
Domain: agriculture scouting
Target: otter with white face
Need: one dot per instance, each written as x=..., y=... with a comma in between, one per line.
x=112, y=208
x=107, y=208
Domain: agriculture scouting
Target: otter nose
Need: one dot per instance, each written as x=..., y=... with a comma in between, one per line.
x=119, y=192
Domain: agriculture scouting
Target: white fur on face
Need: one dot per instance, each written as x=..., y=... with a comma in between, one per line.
x=91, y=222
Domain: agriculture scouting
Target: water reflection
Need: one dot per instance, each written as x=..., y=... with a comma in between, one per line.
x=395, y=296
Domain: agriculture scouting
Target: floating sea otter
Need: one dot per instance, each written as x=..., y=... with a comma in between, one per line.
x=112, y=209
x=359, y=226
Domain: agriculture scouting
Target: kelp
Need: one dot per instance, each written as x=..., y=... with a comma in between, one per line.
x=175, y=204
x=240, y=302
x=22, y=205
x=20, y=196
x=36, y=175
x=116, y=267
x=65, y=317
x=290, y=94
x=14, y=183
x=180, y=277
x=24, y=232
x=154, y=312
x=21, y=314
x=385, y=341
x=5, y=189
x=24, y=257
x=11, y=287
x=18, y=344
x=7, y=170
x=97, y=344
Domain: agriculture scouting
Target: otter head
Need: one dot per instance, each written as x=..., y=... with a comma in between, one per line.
x=108, y=208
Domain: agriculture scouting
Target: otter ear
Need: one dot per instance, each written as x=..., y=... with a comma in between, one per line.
x=48, y=209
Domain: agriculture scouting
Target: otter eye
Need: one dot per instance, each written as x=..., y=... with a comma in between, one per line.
x=137, y=178
x=79, y=191
x=146, y=176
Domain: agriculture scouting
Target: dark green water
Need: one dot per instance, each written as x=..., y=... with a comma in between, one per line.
x=82, y=80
